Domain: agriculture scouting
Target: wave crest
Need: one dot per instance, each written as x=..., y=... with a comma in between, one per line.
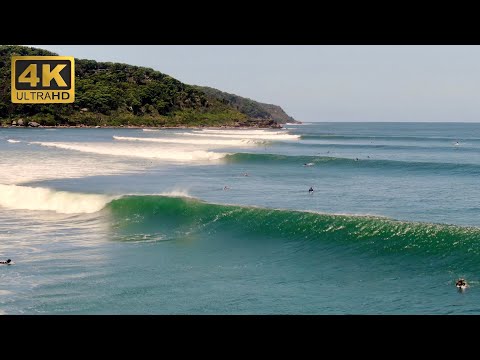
x=168, y=154
x=261, y=136
x=207, y=142
x=37, y=198
x=180, y=216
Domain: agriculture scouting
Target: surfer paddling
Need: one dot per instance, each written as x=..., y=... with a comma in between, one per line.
x=461, y=284
x=6, y=262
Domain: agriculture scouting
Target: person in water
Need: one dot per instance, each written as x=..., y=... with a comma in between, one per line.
x=310, y=190
x=6, y=262
x=461, y=283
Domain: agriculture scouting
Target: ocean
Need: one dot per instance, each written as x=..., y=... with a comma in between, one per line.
x=205, y=221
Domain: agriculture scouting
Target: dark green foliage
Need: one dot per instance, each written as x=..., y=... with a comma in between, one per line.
x=253, y=109
x=118, y=94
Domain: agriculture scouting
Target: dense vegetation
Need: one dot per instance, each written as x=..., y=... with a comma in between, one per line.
x=253, y=109
x=115, y=94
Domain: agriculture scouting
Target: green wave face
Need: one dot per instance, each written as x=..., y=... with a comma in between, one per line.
x=175, y=218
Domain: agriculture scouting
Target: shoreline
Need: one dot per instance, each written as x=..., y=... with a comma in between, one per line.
x=280, y=126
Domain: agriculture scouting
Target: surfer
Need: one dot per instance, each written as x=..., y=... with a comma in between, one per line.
x=246, y=174
x=7, y=262
x=226, y=187
x=310, y=191
x=461, y=284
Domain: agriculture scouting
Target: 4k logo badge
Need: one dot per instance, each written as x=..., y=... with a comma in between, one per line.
x=43, y=79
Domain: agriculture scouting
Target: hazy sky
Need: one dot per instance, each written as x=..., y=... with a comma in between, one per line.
x=322, y=83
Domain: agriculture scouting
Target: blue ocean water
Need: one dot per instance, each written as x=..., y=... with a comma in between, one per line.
x=174, y=221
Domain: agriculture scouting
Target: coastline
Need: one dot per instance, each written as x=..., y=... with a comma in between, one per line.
x=279, y=126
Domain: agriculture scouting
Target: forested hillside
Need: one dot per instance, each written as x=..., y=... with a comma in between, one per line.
x=116, y=94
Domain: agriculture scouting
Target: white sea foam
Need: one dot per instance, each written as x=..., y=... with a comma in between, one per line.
x=164, y=153
x=266, y=136
x=81, y=159
x=176, y=193
x=34, y=165
x=37, y=198
x=150, y=129
x=208, y=142
x=237, y=132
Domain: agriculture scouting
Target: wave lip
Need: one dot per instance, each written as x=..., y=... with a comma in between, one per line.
x=239, y=132
x=176, y=193
x=37, y=198
x=182, y=216
x=167, y=154
x=210, y=143
x=270, y=136
x=18, y=197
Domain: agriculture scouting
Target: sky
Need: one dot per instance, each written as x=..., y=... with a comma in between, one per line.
x=321, y=82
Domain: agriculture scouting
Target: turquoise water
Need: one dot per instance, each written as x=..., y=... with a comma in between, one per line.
x=125, y=221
